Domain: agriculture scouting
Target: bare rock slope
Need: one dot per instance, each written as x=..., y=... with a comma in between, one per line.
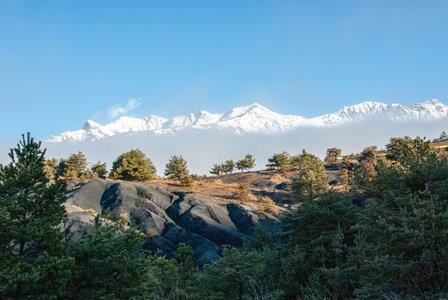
x=195, y=220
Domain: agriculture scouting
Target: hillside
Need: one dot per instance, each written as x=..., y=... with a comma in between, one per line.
x=171, y=216
x=284, y=231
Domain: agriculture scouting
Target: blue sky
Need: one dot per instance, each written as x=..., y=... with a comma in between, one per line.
x=63, y=62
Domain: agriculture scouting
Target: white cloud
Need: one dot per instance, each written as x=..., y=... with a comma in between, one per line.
x=98, y=114
x=116, y=110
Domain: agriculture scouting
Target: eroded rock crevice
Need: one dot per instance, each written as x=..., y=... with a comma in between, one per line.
x=195, y=220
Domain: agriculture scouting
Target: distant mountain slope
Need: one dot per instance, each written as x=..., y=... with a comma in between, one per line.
x=255, y=118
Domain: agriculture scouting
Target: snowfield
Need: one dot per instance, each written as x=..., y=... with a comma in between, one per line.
x=254, y=118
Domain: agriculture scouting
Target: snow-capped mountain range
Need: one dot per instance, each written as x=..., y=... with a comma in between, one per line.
x=255, y=118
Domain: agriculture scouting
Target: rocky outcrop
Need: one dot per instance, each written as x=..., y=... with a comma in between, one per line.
x=195, y=220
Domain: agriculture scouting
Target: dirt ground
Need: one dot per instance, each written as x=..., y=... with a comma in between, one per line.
x=221, y=188
x=272, y=184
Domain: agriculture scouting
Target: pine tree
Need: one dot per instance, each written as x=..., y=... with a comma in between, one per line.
x=32, y=249
x=61, y=168
x=228, y=166
x=133, y=166
x=309, y=185
x=307, y=161
x=77, y=163
x=50, y=166
x=333, y=154
x=216, y=170
x=187, y=271
x=240, y=165
x=312, y=179
x=100, y=169
x=249, y=161
x=74, y=168
x=176, y=168
x=325, y=229
x=109, y=261
x=409, y=152
x=280, y=161
x=188, y=182
x=243, y=273
x=368, y=154
x=172, y=278
x=405, y=223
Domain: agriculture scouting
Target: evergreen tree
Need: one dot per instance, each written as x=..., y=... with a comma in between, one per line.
x=312, y=179
x=100, y=169
x=368, y=154
x=280, y=161
x=109, y=262
x=228, y=166
x=33, y=256
x=326, y=229
x=333, y=154
x=188, y=182
x=50, y=166
x=403, y=224
x=216, y=170
x=243, y=274
x=61, y=168
x=249, y=161
x=187, y=271
x=133, y=166
x=77, y=165
x=171, y=278
x=304, y=186
x=240, y=165
x=307, y=161
x=74, y=168
x=176, y=168
x=408, y=152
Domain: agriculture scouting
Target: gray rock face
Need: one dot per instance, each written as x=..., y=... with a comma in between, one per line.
x=195, y=220
x=78, y=222
x=246, y=220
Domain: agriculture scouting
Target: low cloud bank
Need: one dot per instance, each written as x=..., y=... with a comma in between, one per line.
x=203, y=148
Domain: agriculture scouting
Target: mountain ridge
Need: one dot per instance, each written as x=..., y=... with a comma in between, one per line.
x=254, y=118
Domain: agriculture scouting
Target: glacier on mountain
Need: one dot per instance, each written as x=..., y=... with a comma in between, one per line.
x=254, y=118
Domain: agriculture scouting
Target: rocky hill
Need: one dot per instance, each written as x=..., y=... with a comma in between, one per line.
x=173, y=217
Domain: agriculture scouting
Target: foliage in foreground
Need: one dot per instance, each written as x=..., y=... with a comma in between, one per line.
x=33, y=256
x=389, y=239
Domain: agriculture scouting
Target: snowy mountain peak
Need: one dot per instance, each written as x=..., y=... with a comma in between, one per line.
x=253, y=108
x=434, y=101
x=90, y=124
x=364, y=107
x=255, y=118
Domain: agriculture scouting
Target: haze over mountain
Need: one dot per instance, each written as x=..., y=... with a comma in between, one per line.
x=204, y=138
